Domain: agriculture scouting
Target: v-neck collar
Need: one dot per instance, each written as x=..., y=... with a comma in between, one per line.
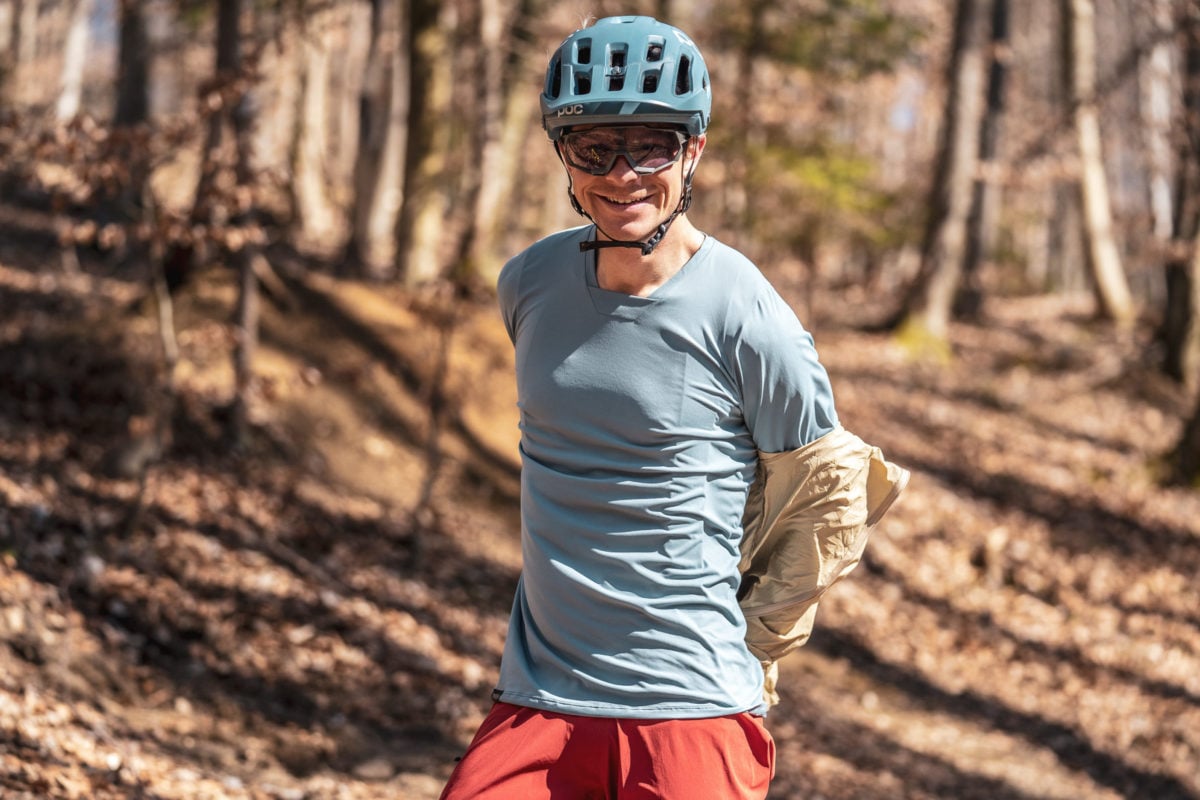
x=629, y=306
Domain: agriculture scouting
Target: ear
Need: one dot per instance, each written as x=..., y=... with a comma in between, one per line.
x=695, y=147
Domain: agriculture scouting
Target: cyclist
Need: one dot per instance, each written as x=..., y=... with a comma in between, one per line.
x=654, y=364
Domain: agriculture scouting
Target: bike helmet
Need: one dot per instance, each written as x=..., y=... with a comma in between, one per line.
x=623, y=70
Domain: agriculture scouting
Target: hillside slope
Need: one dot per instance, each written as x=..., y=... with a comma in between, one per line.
x=320, y=614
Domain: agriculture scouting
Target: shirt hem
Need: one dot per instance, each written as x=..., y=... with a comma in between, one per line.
x=625, y=712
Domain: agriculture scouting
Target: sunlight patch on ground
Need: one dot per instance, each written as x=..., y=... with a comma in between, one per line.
x=945, y=738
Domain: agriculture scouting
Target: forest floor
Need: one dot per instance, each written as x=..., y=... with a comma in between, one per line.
x=320, y=613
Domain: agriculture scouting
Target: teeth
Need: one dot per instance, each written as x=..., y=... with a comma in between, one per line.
x=621, y=202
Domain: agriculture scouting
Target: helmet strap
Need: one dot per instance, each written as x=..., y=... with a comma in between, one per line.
x=647, y=246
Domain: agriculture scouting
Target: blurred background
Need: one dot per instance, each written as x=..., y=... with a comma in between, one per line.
x=258, y=448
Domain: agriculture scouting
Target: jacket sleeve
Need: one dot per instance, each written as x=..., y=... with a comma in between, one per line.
x=807, y=519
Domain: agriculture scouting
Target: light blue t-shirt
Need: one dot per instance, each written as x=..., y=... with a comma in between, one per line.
x=640, y=423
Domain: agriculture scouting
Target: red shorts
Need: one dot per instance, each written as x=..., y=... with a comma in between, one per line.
x=527, y=754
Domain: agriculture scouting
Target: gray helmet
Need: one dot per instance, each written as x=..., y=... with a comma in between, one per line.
x=626, y=70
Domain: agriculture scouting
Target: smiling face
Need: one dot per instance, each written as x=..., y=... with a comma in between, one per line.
x=629, y=203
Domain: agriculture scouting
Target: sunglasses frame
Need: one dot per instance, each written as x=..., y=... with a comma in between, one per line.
x=616, y=153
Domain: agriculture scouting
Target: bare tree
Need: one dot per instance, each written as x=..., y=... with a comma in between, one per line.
x=245, y=247
x=523, y=69
x=925, y=316
x=8, y=53
x=1181, y=329
x=378, y=177
x=1185, y=459
x=223, y=207
x=746, y=129
x=316, y=213
x=1180, y=332
x=1155, y=92
x=227, y=115
x=1113, y=298
x=74, y=57
x=985, y=196
x=423, y=210
x=133, y=100
x=18, y=46
x=490, y=184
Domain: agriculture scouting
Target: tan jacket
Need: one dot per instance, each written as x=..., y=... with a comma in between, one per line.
x=808, y=515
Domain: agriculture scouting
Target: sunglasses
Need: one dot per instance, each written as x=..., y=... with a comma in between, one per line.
x=648, y=150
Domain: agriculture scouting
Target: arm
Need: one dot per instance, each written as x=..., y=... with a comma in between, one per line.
x=807, y=520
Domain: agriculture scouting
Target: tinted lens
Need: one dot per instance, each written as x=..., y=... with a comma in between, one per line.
x=591, y=151
x=656, y=151
x=647, y=149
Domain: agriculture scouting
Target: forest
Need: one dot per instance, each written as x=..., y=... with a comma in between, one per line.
x=259, y=470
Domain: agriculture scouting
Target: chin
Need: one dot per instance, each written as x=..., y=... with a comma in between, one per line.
x=628, y=230
x=626, y=235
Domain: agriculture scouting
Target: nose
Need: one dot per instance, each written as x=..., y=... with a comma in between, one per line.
x=621, y=165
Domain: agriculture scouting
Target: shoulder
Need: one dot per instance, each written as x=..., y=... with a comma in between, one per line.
x=740, y=278
x=548, y=249
x=740, y=287
x=543, y=254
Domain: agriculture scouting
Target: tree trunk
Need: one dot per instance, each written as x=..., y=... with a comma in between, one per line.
x=480, y=250
x=1185, y=460
x=745, y=130
x=236, y=117
x=926, y=313
x=377, y=168
x=74, y=57
x=1065, y=271
x=18, y=47
x=1180, y=332
x=1109, y=283
x=1181, y=327
x=423, y=210
x=246, y=341
x=523, y=70
x=520, y=104
x=1156, y=94
x=226, y=106
x=276, y=122
x=316, y=212
x=133, y=99
x=985, y=195
x=8, y=31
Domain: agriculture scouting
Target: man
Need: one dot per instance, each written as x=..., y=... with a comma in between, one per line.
x=653, y=365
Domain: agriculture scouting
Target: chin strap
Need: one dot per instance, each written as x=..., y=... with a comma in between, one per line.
x=647, y=247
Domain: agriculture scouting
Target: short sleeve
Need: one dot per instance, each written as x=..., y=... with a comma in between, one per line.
x=787, y=398
x=507, y=291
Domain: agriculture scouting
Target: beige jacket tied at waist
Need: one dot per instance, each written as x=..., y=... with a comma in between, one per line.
x=808, y=515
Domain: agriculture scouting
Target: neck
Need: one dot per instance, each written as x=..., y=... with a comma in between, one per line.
x=621, y=269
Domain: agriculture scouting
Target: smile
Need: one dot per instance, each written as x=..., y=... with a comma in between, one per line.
x=625, y=201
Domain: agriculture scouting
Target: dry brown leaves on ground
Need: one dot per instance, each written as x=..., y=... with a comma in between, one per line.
x=285, y=622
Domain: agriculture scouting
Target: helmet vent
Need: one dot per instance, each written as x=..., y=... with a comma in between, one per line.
x=650, y=82
x=583, y=83
x=556, y=78
x=683, y=78
x=584, y=54
x=616, y=69
x=654, y=49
